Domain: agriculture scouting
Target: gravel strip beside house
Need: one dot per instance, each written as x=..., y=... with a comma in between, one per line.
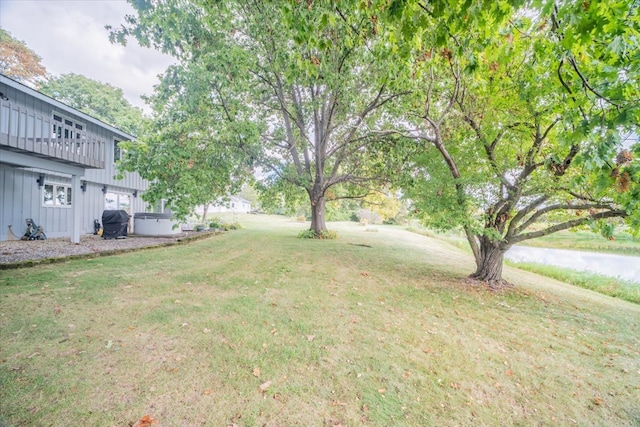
x=16, y=251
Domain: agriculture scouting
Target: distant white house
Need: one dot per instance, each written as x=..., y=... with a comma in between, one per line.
x=234, y=204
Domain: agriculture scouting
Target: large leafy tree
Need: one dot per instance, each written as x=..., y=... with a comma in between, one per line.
x=519, y=132
x=18, y=61
x=190, y=152
x=299, y=87
x=100, y=100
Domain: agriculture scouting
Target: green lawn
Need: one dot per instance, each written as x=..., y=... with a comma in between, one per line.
x=257, y=327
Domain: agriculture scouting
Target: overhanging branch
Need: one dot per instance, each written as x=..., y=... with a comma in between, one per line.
x=569, y=224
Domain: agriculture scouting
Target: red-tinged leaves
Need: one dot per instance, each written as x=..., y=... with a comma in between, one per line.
x=145, y=421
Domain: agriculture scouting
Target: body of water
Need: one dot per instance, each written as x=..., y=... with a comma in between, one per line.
x=621, y=266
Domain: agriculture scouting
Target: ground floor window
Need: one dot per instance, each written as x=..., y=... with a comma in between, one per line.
x=117, y=201
x=56, y=195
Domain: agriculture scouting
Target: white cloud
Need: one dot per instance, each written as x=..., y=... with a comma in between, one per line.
x=70, y=36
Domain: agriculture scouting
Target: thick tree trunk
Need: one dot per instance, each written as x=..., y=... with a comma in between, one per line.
x=318, y=223
x=489, y=263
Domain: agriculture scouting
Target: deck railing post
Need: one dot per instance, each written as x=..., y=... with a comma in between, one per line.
x=66, y=143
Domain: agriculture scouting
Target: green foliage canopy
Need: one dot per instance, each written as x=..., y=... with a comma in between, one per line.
x=100, y=100
x=518, y=132
x=296, y=86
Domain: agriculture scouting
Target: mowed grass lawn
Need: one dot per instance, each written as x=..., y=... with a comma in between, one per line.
x=257, y=327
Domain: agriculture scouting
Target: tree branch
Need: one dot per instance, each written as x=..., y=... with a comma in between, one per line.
x=569, y=224
x=586, y=84
x=375, y=103
x=524, y=212
x=533, y=218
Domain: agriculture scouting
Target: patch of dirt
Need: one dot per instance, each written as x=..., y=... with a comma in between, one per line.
x=491, y=286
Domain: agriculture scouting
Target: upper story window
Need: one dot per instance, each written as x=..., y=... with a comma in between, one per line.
x=64, y=127
x=56, y=195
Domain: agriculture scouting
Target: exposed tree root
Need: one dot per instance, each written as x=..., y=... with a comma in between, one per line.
x=490, y=285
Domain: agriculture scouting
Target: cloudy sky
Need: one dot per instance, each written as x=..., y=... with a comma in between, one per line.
x=70, y=37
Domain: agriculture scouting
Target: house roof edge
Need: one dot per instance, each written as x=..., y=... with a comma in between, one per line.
x=41, y=96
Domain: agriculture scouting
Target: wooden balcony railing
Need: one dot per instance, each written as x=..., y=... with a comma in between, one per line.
x=25, y=131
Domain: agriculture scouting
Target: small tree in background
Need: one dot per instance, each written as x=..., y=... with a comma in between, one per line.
x=19, y=62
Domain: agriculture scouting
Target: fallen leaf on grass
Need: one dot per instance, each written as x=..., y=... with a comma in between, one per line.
x=256, y=372
x=207, y=392
x=265, y=386
x=382, y=390
x=364, y=274
x=597, y=401
x=310, y=337
x=145, y=421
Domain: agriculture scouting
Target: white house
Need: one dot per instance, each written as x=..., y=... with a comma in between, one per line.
x=57, y=166
x=233, y=204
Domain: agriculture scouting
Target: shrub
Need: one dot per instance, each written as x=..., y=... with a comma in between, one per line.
x=311, y=234
x=216, y=223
